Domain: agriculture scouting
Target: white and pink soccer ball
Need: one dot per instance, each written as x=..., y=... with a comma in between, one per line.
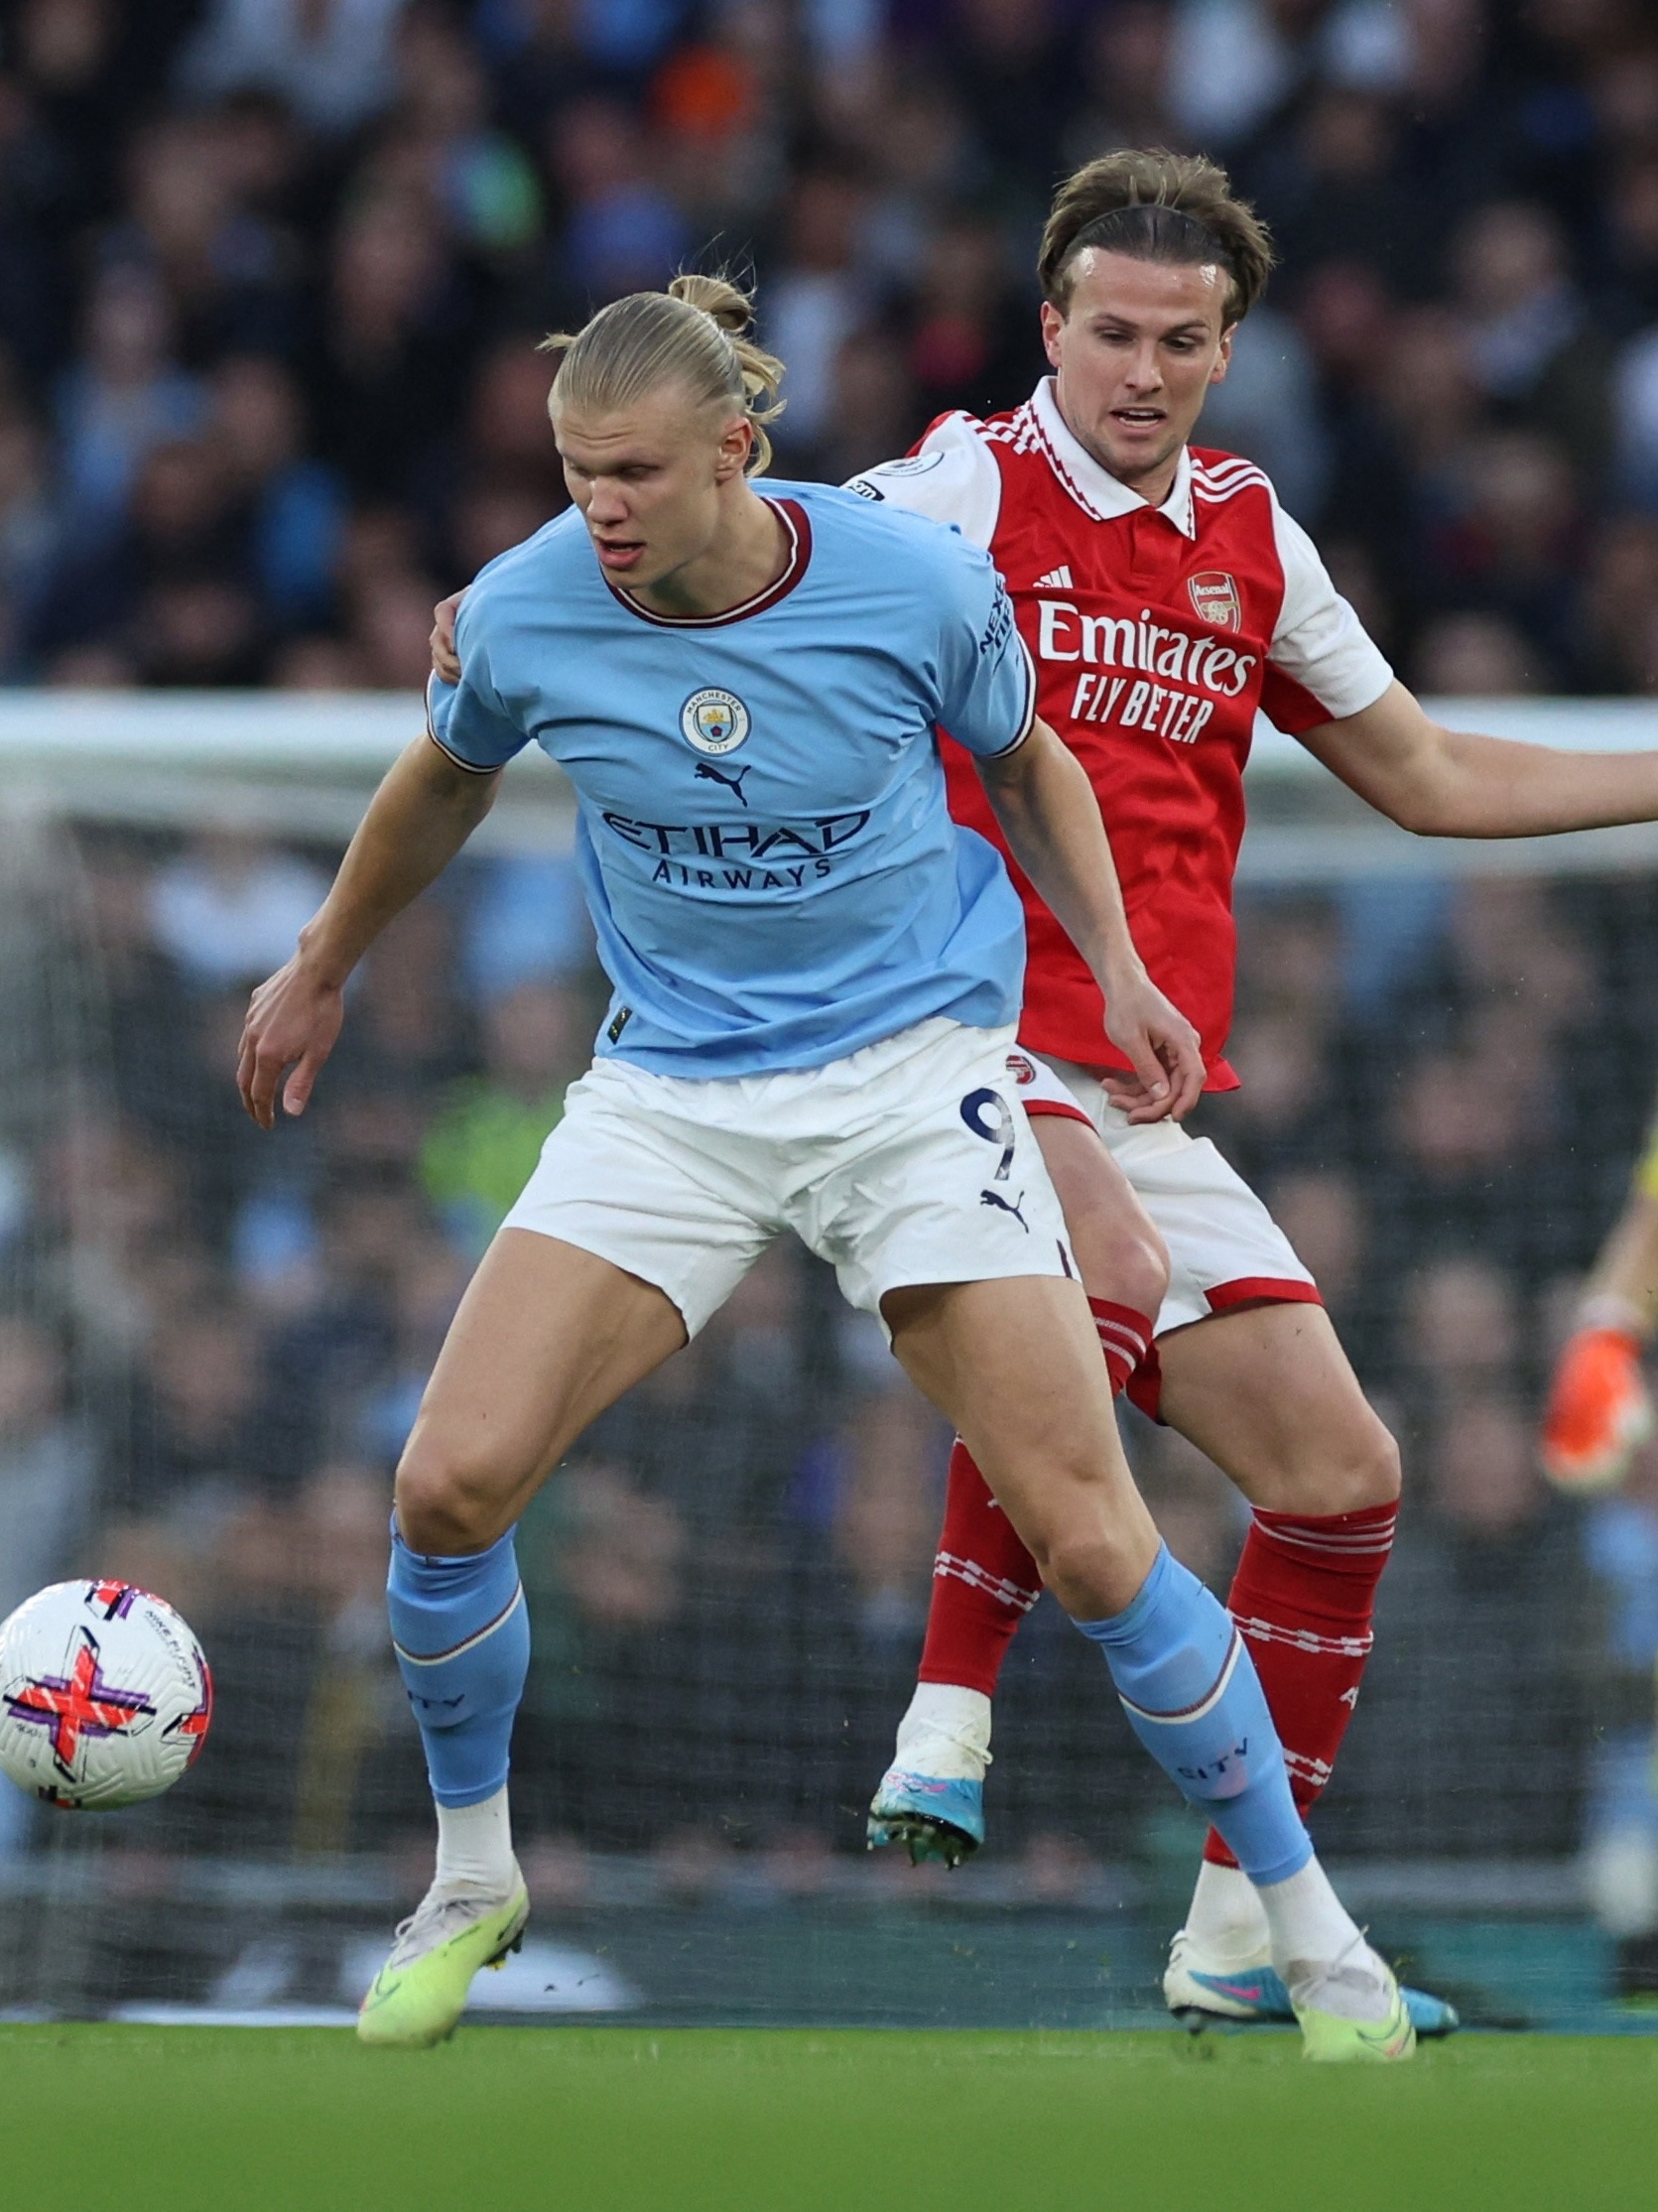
x=105, y=1697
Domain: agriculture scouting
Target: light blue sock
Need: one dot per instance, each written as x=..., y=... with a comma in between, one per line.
x=462, y=1634
x=1194, y=1699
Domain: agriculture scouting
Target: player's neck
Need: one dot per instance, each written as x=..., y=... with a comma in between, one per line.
x=748, y=553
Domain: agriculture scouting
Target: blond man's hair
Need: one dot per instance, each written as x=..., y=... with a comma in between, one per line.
x=1154, y=205
x=695, y=335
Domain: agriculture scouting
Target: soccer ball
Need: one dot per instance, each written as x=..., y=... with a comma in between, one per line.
x=104, y=1696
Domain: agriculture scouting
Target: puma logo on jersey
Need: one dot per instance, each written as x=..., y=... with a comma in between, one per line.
x=708, y=773
x=1008, y=1206
x=1057, y=580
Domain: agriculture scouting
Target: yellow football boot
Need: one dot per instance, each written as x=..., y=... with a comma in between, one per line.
x=1326, y=1999
x=420, y=1993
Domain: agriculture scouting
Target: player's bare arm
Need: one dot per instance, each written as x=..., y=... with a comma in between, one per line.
x=416, y=821
x=1456, y=783
x=1053, y=825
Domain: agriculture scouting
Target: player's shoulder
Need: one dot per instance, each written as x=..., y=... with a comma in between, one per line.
x=880, y=539
x=544, y=564
x=1219, y=478
x=951, y=476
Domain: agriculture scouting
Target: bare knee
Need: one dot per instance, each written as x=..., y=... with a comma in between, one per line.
x=444, y=1508
x=1344, y=1475
x=1121, y=1254
x=1117, y=1247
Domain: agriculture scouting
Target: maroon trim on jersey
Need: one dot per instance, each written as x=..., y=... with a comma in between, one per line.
x=792, y=517
x=1261, y=1290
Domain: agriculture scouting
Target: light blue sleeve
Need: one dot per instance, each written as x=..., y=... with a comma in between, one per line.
x=468, y=721
x=986, y=681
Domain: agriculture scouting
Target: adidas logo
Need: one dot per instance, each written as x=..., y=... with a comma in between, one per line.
x=1057, y=580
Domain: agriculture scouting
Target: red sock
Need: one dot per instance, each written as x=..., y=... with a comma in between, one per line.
x=1303, y=1594
x=1124, y=1338
x=984, y=1581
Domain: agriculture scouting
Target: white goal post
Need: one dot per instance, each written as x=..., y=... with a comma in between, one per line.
x=303, y=764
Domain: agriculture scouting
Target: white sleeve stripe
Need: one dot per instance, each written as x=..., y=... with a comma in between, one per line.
x=471, y=767
x=1028, y=720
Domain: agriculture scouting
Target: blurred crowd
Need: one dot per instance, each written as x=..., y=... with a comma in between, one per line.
x=213, y=1344
x=272, y=273
x=271, y=277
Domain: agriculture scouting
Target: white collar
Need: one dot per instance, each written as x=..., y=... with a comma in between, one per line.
x=1094, y=488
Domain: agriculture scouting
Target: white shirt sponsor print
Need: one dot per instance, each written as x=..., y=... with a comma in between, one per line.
x=1177, y=709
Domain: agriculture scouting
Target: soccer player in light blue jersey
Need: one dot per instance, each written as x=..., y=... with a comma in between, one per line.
x=816, y=976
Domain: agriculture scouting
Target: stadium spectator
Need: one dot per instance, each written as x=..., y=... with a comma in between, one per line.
x=230, y=908
x=490, y=1131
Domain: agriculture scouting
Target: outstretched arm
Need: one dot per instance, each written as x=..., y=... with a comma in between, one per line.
x=416, y=821
x=1454, y=783
x=1051, y=819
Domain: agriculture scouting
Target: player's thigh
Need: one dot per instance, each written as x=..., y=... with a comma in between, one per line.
x=1013, y=1363
x=629, y=1233
x=1113, y=1240
x=1268, y=1392
x=545, y=1338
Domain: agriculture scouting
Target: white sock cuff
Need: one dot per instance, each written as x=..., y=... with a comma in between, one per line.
x=474, y=1846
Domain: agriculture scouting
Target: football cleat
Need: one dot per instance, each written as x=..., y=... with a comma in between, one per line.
x=420, y=1993
x=933, y=1819
x=1257, y=1993
x=1345, y=2019
x=1599, y=1410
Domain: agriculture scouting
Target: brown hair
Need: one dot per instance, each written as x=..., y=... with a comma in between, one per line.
x=1155, y=205
x=694, y=334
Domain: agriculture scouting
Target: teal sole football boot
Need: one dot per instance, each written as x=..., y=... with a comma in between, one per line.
x=940, y=1821
x=1257, y=1993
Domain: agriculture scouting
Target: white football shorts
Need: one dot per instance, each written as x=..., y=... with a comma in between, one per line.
x=1224, y=1247
x=908, y=1162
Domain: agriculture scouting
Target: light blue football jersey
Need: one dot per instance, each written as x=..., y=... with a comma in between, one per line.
x=762, y=837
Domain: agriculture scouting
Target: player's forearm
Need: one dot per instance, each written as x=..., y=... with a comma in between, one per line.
x=1492, y=787
x=416, y=821
x=1457, y=783
x=1051, y=819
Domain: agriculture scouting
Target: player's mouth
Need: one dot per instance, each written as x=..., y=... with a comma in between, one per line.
x=1138, y=417
x=619, y=555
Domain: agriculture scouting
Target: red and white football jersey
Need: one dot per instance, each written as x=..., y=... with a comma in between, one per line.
x=1158, y=633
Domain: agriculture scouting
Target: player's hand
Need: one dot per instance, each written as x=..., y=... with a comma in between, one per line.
x=446, y=662
x=293, y=1022
x=1160, y=1044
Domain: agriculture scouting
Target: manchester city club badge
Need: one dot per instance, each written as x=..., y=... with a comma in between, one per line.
x=713, y=721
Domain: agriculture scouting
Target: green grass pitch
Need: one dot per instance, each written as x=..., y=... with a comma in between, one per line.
x=625, y=2120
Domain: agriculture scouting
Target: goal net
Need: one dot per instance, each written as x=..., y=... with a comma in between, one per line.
x=212, y=1343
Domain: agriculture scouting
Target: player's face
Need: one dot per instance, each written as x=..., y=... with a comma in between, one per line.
x=650, y=480
x=1136, y=353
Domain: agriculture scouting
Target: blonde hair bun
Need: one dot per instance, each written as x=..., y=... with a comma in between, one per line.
x=694, y=334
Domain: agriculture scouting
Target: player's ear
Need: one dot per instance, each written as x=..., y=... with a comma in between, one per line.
x=1052, y=322
x=1224, y=359
x=737, y=443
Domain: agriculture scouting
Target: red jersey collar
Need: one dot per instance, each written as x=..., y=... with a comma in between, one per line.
x=1093, y=488
x=792, y=517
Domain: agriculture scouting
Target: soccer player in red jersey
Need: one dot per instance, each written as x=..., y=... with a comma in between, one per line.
x=1167, y=598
